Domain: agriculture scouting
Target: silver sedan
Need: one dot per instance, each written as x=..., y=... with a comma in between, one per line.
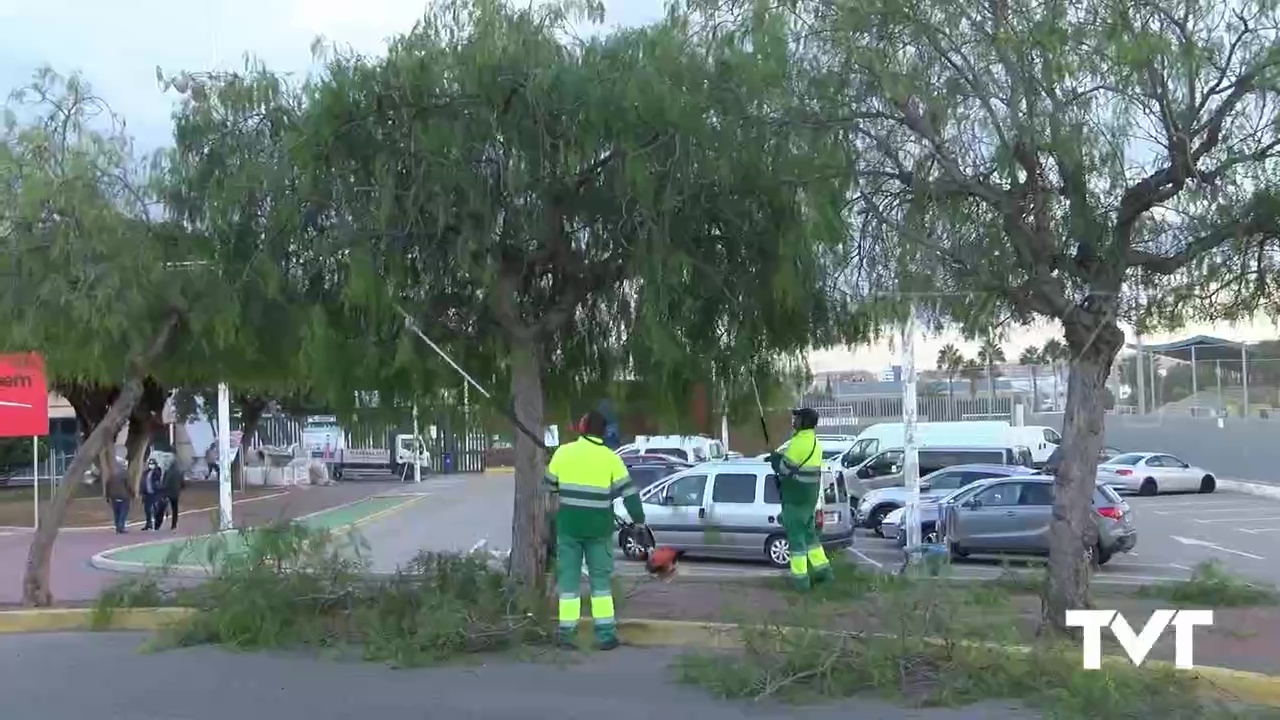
x=1149, y=473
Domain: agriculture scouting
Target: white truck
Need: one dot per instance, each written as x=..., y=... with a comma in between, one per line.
x=324, y=439
x=690, y=448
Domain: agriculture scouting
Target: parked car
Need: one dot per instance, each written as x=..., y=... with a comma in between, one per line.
x=645, y=474
x=1148, y=473
x=1012, y=516
x=884, y=469
x=648, y=458
x=965, y=433
x=930, y=517
x=730, y=510
x=877, y=504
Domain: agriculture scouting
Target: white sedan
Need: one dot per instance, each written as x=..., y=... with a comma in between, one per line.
x=1149, y=473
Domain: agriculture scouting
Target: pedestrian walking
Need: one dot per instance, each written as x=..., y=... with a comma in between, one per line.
x=151, y=494
x=172, y=482
x=119, y=494
x=586, y=477
x=799, y=471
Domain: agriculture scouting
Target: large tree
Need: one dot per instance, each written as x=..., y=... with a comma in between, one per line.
x=560, y=213
x=84, y=267
x=1064, y=151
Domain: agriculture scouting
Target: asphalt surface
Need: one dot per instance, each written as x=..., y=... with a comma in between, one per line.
x=115, y=680
x=1175, y=533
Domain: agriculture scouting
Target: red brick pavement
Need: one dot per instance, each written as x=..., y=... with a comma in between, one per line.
x=76, y=581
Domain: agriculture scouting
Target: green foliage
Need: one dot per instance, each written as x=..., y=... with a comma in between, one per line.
x=1212, y=586
x=620, y=204
x=86, y=267
x=288, y=585
x=930, y=642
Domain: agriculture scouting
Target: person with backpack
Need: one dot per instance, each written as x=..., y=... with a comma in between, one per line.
x=151, y=493
x=171, y=486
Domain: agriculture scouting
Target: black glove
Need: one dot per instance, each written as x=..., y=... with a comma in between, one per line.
x=775, y=461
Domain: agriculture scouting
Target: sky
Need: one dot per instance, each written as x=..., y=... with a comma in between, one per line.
x=118, y=46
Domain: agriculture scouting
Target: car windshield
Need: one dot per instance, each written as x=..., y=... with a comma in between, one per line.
x=1110, y=494
x=646, y=475
x=1130, y=459
x=963, y=492
x=831, y=454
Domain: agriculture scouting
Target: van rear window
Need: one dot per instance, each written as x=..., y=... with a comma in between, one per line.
x=672, y=452
x=934, y=460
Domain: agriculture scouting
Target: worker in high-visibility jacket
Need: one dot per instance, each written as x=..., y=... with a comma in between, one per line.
x=587, y=477
x=799, y=471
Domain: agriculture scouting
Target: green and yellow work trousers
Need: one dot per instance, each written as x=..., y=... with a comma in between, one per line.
x=807, y=555
x=598, y=553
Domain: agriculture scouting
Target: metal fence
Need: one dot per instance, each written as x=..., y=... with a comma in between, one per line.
x=852, y=416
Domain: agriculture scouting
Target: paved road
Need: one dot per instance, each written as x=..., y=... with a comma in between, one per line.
x=210, y=684
x=1175, y=532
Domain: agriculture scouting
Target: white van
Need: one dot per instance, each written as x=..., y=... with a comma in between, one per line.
x=1042, y=440
x=882, y=436
x=691, y=448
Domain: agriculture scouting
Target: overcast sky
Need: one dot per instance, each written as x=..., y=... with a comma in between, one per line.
x=117, y=45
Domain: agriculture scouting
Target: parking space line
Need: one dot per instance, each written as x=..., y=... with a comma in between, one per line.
x=1212, y=546
x=1255, y=531
x=863, y=555
x=1237, y=520
x=1232, y=509
x=1188, y=505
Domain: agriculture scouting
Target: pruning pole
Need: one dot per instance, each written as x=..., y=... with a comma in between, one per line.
x=764, y=427
x=510, y=415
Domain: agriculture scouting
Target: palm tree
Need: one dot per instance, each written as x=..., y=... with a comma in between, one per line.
x=1055, y=353
x=971, y=370
x=1033, y=358
x=950, y=361
x=990, y=355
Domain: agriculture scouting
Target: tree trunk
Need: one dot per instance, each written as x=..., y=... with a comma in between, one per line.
x=35, y=584
x=1035, y=391
x=36, y=590
x=529, y=515
x=251, y=409
x=1072, y=531
x=136, y=443
x=106, y=462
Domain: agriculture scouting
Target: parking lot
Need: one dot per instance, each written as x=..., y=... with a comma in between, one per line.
x=1175, y=533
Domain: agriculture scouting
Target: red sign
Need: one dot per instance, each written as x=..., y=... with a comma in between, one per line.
x=24, y=396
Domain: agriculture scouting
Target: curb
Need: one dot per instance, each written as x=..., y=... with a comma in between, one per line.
x=102, y=562
x=499, y=470
x=1250, y=488
x=1256, y=688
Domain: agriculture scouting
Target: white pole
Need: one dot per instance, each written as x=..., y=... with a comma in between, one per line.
x=35, y=482
x=910, y=453
x=417, y=446
x=224, y=457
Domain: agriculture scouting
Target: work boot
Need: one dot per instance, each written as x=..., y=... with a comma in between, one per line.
x=606, y=637
x=800, y=582
x=567, y=638
x=822, y=574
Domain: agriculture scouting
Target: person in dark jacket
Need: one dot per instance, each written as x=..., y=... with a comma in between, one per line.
x=151, y=494
x=119, y=494
x=171, y=487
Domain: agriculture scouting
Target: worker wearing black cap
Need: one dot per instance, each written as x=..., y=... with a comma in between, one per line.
x=799, y=471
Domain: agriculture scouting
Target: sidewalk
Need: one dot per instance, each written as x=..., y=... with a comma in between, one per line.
x=627, y=684
x=75, y=581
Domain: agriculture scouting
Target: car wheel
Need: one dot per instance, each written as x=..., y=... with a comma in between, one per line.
x=929, y=535
x=877, y=518
x=1148, y=488
x=1096, y=556
x=1208, y=484
x=778, y=551
x=631, y=548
